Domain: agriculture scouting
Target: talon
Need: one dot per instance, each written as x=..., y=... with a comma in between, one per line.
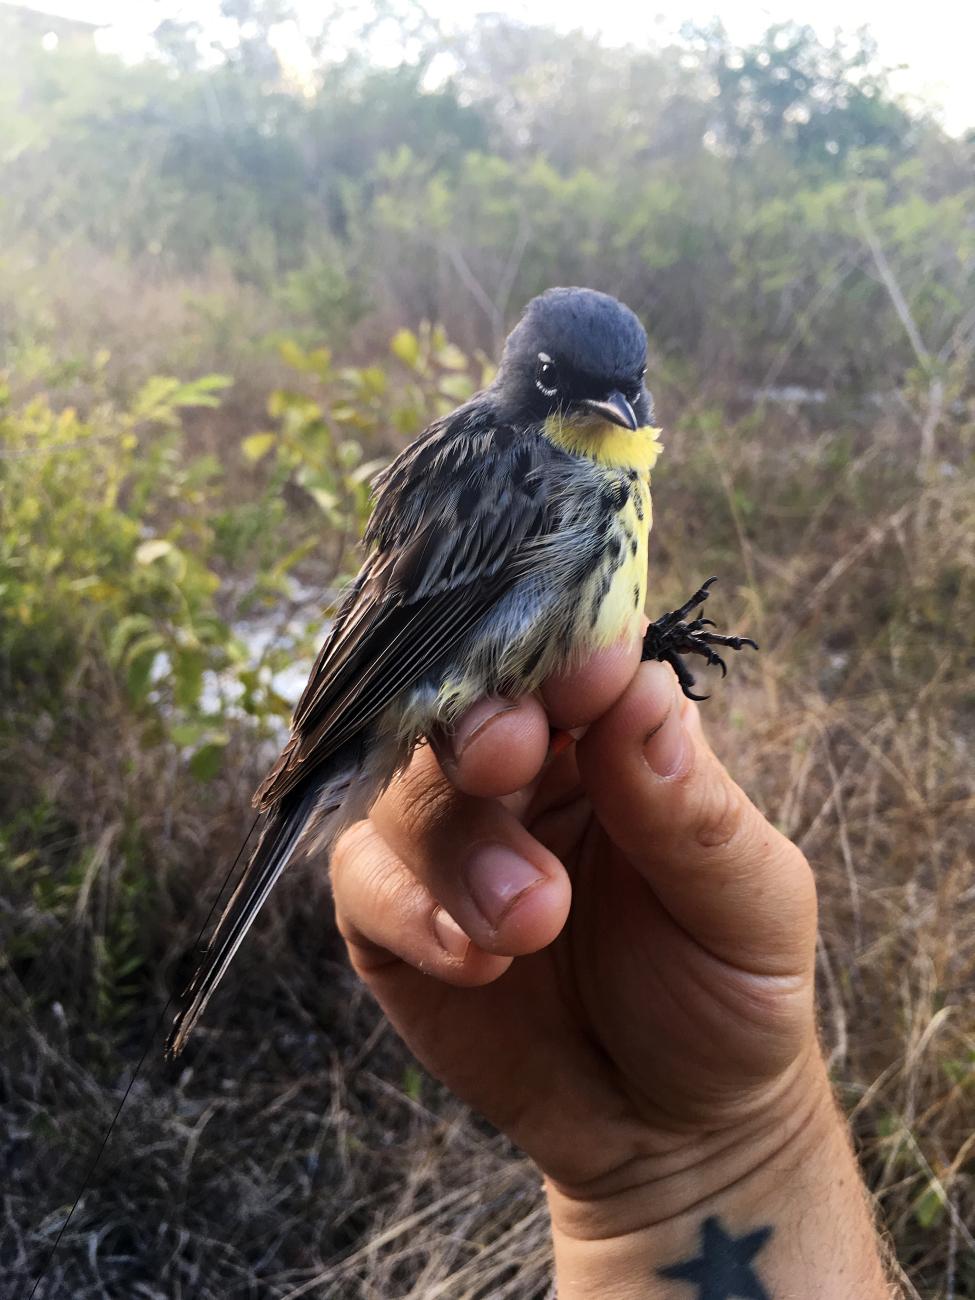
x=715, y=660
x=669, y=638
x=699, y=623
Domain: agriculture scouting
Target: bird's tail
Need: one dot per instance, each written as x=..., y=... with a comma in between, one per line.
x=323, y=800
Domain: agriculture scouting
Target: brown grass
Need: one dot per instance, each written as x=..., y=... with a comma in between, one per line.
x=301, y=1152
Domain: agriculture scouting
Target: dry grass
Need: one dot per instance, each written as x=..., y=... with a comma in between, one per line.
x=301, y=1152
x=864, y=756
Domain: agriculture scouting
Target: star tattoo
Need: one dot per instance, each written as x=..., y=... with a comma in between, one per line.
x=723, y=1270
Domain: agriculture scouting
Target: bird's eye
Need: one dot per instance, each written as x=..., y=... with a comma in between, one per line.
x=545, y=376
x=636, y=387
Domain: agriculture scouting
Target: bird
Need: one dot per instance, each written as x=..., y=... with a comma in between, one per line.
x=507, y=542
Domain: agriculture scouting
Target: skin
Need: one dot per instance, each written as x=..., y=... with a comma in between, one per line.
x=653, y=1049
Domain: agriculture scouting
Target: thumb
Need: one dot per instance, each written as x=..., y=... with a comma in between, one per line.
x=723, y=872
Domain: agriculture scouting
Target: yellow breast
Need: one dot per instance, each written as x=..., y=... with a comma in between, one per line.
x=613, y=604
x=622, y=606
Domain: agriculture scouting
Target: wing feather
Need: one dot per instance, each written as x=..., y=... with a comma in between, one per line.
x=454, y=518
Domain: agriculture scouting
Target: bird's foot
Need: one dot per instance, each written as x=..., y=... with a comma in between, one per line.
x=672, y=636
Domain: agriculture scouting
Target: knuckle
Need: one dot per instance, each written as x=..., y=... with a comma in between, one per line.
x=727, y=822
x=374, y=894
x=721, y=815
x=392, y=892
x=797, y=870
x=795, y=860
x=424, y=804
x=346, y=927
x=350, y=848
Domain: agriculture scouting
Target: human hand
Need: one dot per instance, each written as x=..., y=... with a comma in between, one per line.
x=676, y=997
x=653, y=1046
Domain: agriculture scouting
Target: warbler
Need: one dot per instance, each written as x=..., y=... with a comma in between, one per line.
x=507, y=542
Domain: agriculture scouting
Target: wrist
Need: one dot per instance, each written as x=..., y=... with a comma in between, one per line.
x=783, y=1183
x=662, y=1181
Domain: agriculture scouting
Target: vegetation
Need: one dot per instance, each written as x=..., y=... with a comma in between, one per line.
x=800, y=244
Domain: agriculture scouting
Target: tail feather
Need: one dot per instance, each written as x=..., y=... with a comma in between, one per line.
x=330, y=801
x=275, y=849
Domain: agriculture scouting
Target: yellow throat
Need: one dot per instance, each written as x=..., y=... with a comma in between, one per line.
x=606, y=443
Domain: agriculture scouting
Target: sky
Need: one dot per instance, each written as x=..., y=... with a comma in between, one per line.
x=932, y=41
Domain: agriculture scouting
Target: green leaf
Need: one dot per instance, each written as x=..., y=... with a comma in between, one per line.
x=188, y=733
x=320, y=361
x=292, y=355
x=202, y=391
x=154, y=400
x=139, y=675
x=326, y=500
x=407, y=418
x=413, y=1083
x=459, y=387
x=451, y=357
x=257, y=445
x=406, y=346
x=208, y=759
x=929, y=1208
x=188, y=668
x=283, y=400
x=373, y=380
x=294, y=557
x=155, y=549
x=349, y=453
x=148, y=644
x=202, y=470
x=210, y=384
x=123, y=632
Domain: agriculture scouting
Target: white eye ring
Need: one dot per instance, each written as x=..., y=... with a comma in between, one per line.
x=546, y=365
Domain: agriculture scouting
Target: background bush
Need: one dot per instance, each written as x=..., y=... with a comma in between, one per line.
x=799, y=242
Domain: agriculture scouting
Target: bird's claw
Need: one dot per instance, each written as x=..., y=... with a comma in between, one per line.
x=671, y=637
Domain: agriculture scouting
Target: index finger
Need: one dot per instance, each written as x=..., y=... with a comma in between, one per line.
x=500, y=746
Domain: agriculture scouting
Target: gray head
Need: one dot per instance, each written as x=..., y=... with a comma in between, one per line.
x=578, y=354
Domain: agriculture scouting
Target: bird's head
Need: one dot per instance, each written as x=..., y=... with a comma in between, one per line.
x=577, y=358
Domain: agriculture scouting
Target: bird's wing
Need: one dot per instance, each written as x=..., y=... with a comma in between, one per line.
x=452, y=518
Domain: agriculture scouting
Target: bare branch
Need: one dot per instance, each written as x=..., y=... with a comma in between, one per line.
x=936, y=388
x=886, y=273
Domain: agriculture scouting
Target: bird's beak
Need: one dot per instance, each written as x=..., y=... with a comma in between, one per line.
x=616, y=409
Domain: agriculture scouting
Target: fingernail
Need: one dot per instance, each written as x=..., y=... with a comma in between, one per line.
x=450, y=936
x=476, y=720
x=666, y=747
x=496, y=877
